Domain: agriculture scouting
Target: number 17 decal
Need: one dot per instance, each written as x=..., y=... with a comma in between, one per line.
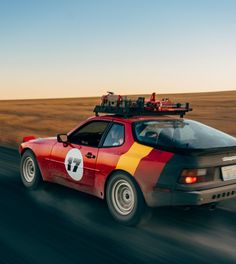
x=74, y=164
x=75, y=161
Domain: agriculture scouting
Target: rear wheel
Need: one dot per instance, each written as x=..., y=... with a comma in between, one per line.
x=30, y=173
x=124, y=199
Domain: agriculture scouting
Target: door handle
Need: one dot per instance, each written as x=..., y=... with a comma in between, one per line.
x=90, y=155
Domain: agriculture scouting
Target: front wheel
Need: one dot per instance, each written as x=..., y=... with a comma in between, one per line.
x=125, y=199
x=30, y=173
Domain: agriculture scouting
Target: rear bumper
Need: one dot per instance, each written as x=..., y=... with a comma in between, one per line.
x=175, y=198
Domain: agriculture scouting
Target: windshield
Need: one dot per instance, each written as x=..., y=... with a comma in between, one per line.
x=183, y=134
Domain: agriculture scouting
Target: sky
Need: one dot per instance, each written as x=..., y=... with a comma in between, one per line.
x=77, y=48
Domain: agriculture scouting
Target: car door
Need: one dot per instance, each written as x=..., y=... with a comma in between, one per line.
x=75, y=162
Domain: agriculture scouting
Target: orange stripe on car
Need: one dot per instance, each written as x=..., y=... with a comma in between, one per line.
x=130, y=160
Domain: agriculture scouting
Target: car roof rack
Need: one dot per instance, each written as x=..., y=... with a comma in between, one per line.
x=122, y=106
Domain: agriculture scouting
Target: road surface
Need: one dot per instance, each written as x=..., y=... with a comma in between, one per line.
x=59, y=225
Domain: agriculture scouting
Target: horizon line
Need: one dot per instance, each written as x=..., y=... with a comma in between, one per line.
x=97, y=96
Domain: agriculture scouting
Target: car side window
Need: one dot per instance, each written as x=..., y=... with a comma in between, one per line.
x=115, y=136
x=90, y=134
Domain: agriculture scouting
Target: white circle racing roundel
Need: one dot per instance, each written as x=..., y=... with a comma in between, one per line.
x=74, y=164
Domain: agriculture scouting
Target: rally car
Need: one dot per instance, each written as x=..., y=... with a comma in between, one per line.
x=137, y=154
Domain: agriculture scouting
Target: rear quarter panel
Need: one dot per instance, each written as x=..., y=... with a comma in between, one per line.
x=143, y=163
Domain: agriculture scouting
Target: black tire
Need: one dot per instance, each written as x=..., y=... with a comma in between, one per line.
x=29, y=170
x=125, y=199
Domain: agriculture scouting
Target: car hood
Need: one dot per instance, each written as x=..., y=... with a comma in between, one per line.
x=41, y=147
x=39, y=144
x=44, y=140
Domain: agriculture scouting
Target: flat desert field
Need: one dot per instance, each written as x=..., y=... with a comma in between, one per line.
x=47, y=117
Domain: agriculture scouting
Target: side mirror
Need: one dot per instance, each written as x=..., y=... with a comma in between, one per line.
x=63, y=138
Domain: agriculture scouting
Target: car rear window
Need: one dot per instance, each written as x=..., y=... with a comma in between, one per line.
x=182, y=134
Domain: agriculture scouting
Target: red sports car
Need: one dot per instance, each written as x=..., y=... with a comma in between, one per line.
x=135, y=158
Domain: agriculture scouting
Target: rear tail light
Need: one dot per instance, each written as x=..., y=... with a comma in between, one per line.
x=190, y=179
x=191, y=176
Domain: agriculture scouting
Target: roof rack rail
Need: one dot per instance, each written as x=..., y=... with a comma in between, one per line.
x=122, y=106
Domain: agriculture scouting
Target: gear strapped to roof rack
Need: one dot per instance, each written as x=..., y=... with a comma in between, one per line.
x=121, y=105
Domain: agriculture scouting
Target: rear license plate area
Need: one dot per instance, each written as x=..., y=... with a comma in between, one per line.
x=228, y=172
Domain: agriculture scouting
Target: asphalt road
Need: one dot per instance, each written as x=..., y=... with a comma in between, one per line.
x=60, y=225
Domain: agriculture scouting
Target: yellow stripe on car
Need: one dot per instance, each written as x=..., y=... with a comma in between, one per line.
x=130, y=160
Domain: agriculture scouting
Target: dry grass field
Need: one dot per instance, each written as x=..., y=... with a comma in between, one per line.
x=47, y=117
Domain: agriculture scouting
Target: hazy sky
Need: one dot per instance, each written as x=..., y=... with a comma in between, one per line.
x=72, y=48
